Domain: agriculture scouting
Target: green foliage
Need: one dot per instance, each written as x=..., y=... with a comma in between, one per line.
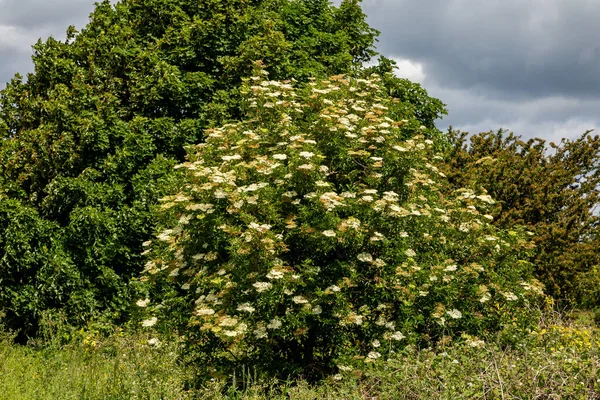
x=551, y=190
x=35, y=272
x=88, y=141
x=119, y=367
x=315, y=233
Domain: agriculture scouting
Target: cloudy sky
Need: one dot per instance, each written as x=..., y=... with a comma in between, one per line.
x=530, y=66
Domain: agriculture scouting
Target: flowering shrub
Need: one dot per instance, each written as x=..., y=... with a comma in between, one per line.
x=311, y=235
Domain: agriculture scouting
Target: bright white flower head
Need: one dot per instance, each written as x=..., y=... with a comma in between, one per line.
x=510, y=296
x=299, y=300
x=262, y=286
x=365, y=257
x=142, y=303
x=306, y=154
x=454, y=314
x=410, y=253
x=204, y=311
x=275, y=274
x=329, y=233
x=149, y=322
x=246, y=307
x=274, y=324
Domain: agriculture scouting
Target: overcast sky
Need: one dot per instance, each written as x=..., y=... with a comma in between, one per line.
x=530, y=66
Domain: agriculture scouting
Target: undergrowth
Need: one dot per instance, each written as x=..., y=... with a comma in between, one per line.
x=559, y=360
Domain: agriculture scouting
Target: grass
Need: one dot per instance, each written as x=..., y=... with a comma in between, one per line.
x=560, y=360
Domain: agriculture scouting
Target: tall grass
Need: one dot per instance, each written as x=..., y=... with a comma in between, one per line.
x=560, y=360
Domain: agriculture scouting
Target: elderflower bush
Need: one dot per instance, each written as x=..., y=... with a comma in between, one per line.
x=312, y=235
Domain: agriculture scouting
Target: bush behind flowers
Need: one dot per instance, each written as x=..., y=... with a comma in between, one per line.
x=314, y=235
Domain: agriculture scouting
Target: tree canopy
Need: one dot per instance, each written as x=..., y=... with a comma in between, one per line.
x=551, y=189
x=89, y=139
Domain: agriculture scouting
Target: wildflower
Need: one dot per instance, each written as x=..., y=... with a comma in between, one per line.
x=306, y=154
x=373, y=355
x=165, y=236
x=262, y=286
x=451, y=268
x=306, y=167
x=149, y=322
x=486, y=198
x=275, y=274
x=299, y=300
x=230, y=158
x=378, y=262
x=376, y=237
x=365, y=257
x=279, y=156
x=204, y=311
x=246, y=307
x=454, y=314
x=274, y=324
x=510, y=296
x=486, y=296
x=397, y=335
x=142, y=303
x=375, y=343
x=333, y=288
x=476, y=342
x=329, y=233
x=228, y=321
x=316, y=310
x=153, y=342
x=410, y=253
x=353, y=223
x=260, y=332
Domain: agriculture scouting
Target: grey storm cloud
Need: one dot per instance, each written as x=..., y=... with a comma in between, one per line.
x=531, y=66
x=23, y=22
x=36, y=14
x=512, y=47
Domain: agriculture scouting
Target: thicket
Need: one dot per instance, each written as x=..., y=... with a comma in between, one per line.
x=553, y=190
x=89, y=140
x=315, y=233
